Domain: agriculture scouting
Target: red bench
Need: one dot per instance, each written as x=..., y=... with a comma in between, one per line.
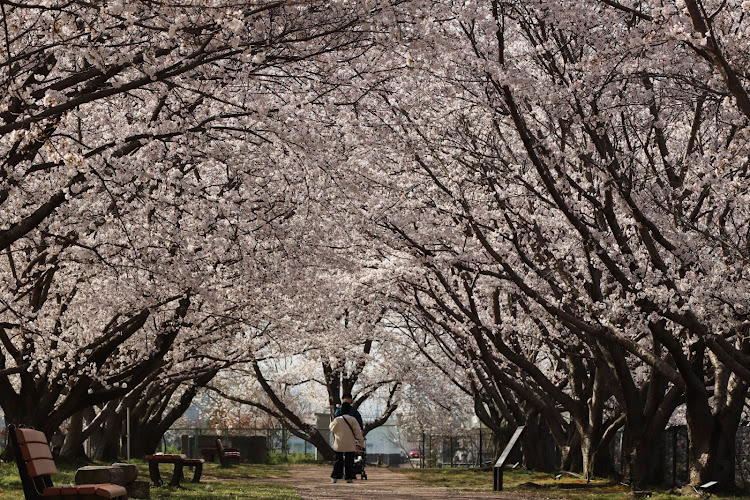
x=36, y=468
x=227, y=455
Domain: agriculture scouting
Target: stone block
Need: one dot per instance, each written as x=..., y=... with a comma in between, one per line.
x=97, y=474
x=139, y=489
x=129, y=471
x=118, y=473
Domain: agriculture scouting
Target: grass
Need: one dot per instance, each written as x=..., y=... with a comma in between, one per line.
x=225, y=490
x=524, y=482
x=245, y=481
x=216, y=483
x=291, y=458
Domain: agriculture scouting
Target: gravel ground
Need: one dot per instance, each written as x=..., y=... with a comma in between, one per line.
x=314, y=483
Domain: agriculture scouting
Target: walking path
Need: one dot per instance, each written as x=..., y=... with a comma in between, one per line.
x=314, y=483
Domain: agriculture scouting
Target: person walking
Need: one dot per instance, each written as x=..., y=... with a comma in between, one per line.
x=347, y=439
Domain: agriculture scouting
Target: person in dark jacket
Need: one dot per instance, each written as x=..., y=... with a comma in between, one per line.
x=347, y=438
x=347, y=398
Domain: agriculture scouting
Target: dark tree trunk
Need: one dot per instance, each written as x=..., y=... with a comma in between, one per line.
x=106, y=440
x=144, y=439
x=29, y=418
x=318, y=440
x=499, y=441
x=641, y=460
x=588, y=453
x=537, y=444
x=712, y=452
x=72, y=448
x=571, y=458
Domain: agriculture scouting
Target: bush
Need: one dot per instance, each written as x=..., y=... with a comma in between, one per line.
x=276, y=458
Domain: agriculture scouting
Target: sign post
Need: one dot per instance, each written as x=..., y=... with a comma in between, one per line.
x=497, y=477
x=127, y=433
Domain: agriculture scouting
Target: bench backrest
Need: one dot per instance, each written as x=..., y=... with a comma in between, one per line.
x=34, y=460
x=35, y=452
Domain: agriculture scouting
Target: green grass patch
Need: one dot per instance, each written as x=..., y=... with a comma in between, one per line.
x=10, y=483
x=291, y=458
x=525, y=483
x=217, y=482
x=473, y=479
x=225, y=490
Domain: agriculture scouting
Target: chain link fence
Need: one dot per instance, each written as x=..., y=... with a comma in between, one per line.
x=673, y=456
x=392, y=445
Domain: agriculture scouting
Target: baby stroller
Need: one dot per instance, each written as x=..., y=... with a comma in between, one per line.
x=360, y=461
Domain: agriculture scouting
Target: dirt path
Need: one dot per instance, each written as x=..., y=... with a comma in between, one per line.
x=314, y=483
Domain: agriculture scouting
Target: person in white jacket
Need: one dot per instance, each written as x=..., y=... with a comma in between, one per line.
x=347, y=439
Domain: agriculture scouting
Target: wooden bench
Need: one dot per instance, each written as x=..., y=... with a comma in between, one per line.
x=36, y=468
x=227, y=456
x=179, y=461
x=208, y=453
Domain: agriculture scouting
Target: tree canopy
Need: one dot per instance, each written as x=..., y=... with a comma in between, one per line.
x=545, y=203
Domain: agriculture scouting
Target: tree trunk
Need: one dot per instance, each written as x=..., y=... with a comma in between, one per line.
x=318, y=440
x=591, y=433
x=641, y=460
x=29, y=418
x=588, y=455
x=570, y=454
x=106, y=440
x=499, y=440
x=595, y=456
x=143, y=440
x=537, y=445
x=711, y=452
x=603, y=459
x=72, y=448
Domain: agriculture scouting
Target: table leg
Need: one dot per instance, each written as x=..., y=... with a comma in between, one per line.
x=177, y=476
x=153, y=471
x=198, y=472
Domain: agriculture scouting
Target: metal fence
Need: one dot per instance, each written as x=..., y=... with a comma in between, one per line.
x=465, y=448
x=388, y=444
x=273, y=440
x=673, y=456
x=471, y=447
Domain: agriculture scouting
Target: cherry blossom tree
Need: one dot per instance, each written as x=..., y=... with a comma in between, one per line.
x=138, y=207
x=572, y=169
x=554, y=194
x=320, y=341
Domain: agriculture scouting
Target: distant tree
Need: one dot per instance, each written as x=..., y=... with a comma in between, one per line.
x=293, y=376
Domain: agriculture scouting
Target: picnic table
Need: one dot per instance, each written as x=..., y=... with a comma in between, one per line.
x=179, y=460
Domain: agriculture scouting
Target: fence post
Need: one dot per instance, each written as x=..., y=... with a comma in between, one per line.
x=429, y=460
x=481, y=458
x=674, y=457
x=421, y=454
